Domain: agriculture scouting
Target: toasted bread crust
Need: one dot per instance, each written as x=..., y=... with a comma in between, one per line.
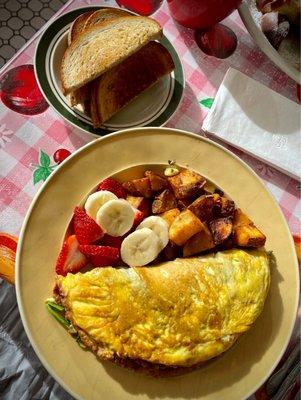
x=105, y=14
x=99, y=49
x=77, y=26
x=84, y=21
x=120, y=85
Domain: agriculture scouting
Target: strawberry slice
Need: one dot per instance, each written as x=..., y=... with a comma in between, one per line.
x=113, y=186
x=100, y=256
x=70, y=258
x=85, y=228
x=139, y=215
x=112, y=241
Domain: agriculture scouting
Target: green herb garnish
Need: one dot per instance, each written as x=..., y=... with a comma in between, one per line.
x=56, y=311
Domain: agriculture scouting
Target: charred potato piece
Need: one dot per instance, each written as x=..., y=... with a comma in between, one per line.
x=246, y=234
x=187, y=183
x=223, y=207
x=184, y=203
x=138, y=187
x=163, y=202
x=171, y=251
x=201, y=241
x=185, y=225
x=221, y=229
x=227, y=207
x=141, y=203
x=157, y=182
x=130, y=188
x=202, y=207
x=170, y=215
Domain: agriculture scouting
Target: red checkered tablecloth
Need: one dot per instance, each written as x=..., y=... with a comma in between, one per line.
x=23, y=138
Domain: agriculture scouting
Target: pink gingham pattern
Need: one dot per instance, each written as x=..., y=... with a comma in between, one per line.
x=22, y=137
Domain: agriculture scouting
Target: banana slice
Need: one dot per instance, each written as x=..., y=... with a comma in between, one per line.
x=140, y=247
x=96, y=200
x=116, y=217
x=159, y=226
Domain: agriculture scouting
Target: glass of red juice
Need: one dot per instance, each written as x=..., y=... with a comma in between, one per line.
x=201, y=14
x=141, y=7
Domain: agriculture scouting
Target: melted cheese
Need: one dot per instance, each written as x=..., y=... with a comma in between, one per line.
x=176, y=313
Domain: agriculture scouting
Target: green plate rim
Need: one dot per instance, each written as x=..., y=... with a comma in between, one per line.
x=43, y=82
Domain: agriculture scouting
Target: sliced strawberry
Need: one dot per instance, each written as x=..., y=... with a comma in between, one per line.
x=100, y=256
x=139, y=215
x=85, y=228
x=112, y=241
x=70, y=258
x=113, y=186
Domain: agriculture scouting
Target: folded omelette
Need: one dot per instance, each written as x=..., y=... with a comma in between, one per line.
x=174, y=314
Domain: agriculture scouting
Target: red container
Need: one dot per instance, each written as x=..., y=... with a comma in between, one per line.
x=201, y=14
x=142, y=7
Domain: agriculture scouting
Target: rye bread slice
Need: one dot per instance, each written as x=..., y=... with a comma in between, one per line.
x=123, y=83
x=99, y=49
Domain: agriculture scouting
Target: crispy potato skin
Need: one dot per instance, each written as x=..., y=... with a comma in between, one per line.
x=185, y=225
x=227, y=207
x=246, y=234
x=163, y=202
x=199, y=242
x=170, y=215
x=157, y=182
x=203, y=207
x=221, y=229
x=138, y=187
x=186, y=184
x=141, y=203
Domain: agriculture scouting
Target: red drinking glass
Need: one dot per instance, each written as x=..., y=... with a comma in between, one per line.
x=19, y=91
x=141, y=7
x=201, y=14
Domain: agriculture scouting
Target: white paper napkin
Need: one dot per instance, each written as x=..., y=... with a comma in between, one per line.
x=257, y=120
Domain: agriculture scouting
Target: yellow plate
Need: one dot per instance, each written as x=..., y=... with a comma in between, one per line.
x=234, y=375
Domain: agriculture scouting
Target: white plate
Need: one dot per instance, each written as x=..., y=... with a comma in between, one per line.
x=153, y=107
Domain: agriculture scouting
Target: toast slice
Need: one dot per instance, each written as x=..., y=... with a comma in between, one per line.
x=82, y=95
x=121, y=84
x=99, y=49
x=104, y=15
x=78, y=25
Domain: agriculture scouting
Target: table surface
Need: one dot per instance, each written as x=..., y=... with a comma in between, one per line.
x=24, y=138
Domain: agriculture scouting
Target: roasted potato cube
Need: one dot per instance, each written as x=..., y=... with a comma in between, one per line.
x=221, y=229
x=227, y=207
x=201, y=241
x=185, y=225
x=240, y=219
x=223, y=207
x=138, y=187
x=187, y=184
x=141, y=203
x=171, y=251
x=170, y=215
x=130, y=188
x=163, y=202
x=202, y=207
x=157, y=182
x=245, y=233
